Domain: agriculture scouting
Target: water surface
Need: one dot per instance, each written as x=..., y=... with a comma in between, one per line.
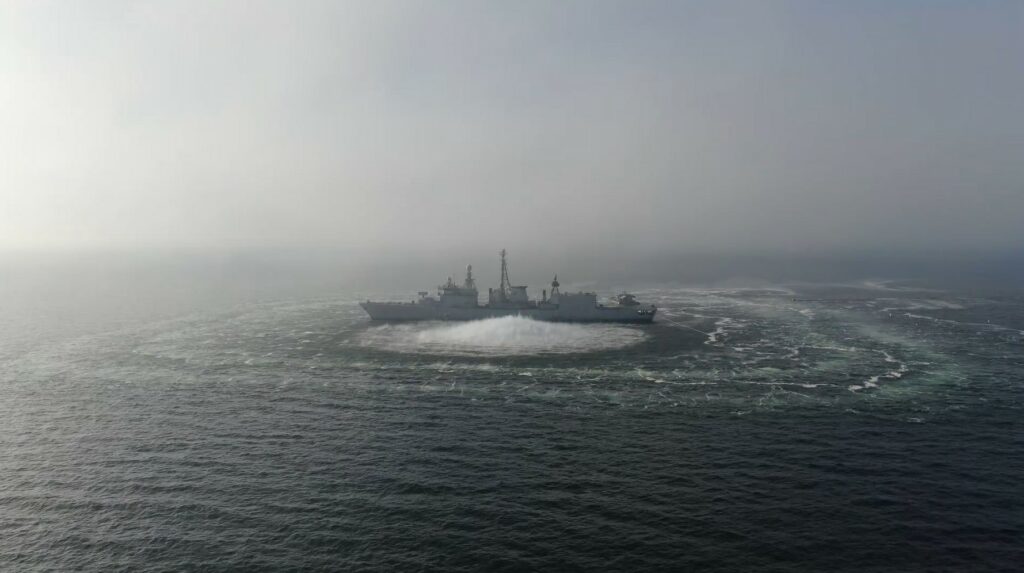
x=872, y=427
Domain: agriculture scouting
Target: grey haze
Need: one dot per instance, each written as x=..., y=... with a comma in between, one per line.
x=677, y=127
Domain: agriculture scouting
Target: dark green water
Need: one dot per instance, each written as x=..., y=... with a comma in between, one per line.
x=811, y=428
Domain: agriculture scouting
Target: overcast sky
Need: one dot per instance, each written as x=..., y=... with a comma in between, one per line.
x=676, y=126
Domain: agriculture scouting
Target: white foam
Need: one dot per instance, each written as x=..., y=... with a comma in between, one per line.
x=720, y=329
x=890, y=375
x=509, y=335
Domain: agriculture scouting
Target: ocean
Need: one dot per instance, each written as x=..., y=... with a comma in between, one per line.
x=869, y=426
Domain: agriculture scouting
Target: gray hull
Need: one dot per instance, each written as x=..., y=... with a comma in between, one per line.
x=406, y=311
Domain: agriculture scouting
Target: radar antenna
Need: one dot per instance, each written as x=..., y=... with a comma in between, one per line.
x=470, y=283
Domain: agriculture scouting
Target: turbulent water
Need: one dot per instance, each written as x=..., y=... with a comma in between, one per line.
x=861, y=428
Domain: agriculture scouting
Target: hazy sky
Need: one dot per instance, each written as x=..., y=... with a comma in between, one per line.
x=678, y=126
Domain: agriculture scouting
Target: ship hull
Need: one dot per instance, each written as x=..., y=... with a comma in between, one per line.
x=396, y=312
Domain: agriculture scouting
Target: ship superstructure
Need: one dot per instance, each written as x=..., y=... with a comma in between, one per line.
x=461, y=302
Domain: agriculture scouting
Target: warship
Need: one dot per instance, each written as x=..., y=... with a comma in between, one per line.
x=461, y=302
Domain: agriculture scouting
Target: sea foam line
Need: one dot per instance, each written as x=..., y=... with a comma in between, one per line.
x=872, y=382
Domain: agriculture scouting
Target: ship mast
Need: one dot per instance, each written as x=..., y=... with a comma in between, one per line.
x=506, y=284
